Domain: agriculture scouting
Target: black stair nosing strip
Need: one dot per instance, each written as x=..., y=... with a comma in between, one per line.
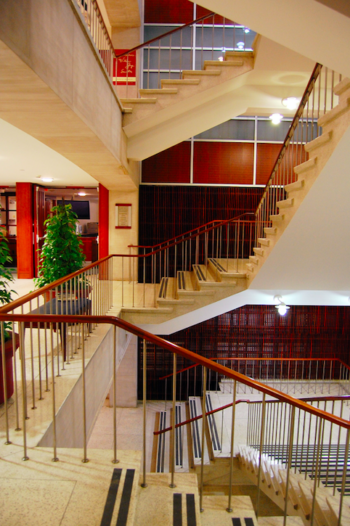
x=166, y=287
x=236, y=521
x=217, y=265
x=177, y=509
x=111, y=497
x=248, y=521
x=195, y=432
x=199, y=273
x=179, y=281
x=126, y=496
x=212, y=424
x=183, y=281
x=178, y=437
x=190, y=510
x=161, y=289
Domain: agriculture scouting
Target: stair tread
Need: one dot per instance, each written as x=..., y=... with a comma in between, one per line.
x=307, y=165
x=139, y=101
x=201, y=73
x=181, y=82
x=162, y=91
x=336, y=112
x=223, y=63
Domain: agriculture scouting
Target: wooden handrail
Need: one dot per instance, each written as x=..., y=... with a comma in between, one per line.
x=181, y=351
x=223, y=407
x=220, y=221
x=165, y=34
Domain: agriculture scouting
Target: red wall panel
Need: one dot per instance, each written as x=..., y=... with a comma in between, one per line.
x=223, y=163
x=172, y=11
x=170, y=166
x=267, y=155
x=25, y=257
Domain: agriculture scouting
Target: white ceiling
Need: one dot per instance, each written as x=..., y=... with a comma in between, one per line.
x=24, y=159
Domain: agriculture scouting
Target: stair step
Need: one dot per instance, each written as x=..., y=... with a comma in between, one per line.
x=250, y=267
x=297, y=185
x=126, y=497
x=139, y=101
x=308, y=165
x=319, y=141
x=163, y=91
x=147, y=310
x=190, y=509
x=286, y=203
x=223, y=63
x=279, y=521
x=333, y=114
x=270, y=230
x=277, y=218
x=180, y=82
x=127, y=110
x=342, y=86
x=201, y=73
x=264, y=241
x=254, y=260
x=240, y=54
x=258, y=251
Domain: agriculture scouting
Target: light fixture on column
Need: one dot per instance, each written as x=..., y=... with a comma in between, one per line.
x=281, y=307
x=276, y=118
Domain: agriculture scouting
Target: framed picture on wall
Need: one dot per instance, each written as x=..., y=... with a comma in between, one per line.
x=122, y=215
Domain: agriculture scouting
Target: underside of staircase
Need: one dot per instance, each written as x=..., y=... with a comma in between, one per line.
x=222, y=278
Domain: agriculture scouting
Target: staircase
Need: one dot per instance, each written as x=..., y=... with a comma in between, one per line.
x=220, y=278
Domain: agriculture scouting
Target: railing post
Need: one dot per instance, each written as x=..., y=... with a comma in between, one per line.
x=55, y=458
x=202, y=440
x=229, y=508
x=172, y=437
x=85, y=459
x=260, y=451
x=144, y=485
x=290, y=452
x=24, y=392
x=346, y=453
x=115, y=461
x=4, y=379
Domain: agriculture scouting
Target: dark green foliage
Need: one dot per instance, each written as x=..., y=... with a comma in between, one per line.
x=5, y=276
x=61, y=253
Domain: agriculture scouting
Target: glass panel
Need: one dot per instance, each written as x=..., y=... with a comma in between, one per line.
x=269, y=132
x=3, y=218
x=12, y=203
x=12, y=230
x=180, y=38
x=176, y=59
x=150, y=80
x=221, y=37
x=12, y=218
x=236, y=130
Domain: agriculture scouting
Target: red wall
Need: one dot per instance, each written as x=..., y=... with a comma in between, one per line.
x=103, y=222
x=170, y=166
x=223, y=163
x=25, y=258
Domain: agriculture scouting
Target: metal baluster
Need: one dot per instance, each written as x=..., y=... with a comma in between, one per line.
x=4, y=380
x=291, y=436
x=55, y=458
x=346, y=455
x=202, y=440
x=115, y=460
x=260, y=451
x=144, y=485
x=172, y=436
x=229, y=508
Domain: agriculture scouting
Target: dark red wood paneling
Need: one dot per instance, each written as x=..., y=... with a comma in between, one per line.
x=172, y=11
x=223, y=163
x=25, y=256
x=267, y=155
x=103, y=222
x=170, y=166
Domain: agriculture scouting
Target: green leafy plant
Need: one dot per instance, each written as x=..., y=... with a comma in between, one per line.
x=61, y=253
x=5, y=278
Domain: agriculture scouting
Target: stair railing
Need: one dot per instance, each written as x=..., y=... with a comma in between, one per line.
x=290, y=375
x=318, y=98
x=29, y=359
x=230, y=241
x=185, y=48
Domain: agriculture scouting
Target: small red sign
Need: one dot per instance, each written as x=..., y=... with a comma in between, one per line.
x=125, y=72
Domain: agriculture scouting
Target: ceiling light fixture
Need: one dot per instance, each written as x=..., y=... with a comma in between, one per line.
x=291, y=103
x=221, y=59
x=282, y=308
x=46, y=179
x=240, y=45
x=246, y=30
x=276, y=118
x=82, y=194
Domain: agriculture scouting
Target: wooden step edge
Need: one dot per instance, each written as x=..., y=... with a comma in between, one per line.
x=319, y=141
x=244, y=54
x=223, y=63
x=162, y=91
x=139, y=101
x=307, y=165
x=147, y=310
x=342, y=86
x=180, y=82
x=333, y=114
x=175, y=301
x=250, y=267
x=127, y=110
x=277, y=218
x=201, y=73
x=258, y=251
x=286, y=203
x=293, y=187
x=254, y=260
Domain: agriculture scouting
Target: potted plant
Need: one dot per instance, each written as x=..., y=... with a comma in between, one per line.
x=61, y=253
x=6, y=297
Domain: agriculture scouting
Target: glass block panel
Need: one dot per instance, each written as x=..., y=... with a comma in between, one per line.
x=223, y=37
x=12, y=230
x=12, y=203
x=235, y=130
x=152, y=80
x=179, y=38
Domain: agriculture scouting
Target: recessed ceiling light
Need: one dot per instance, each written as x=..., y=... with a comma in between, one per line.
x=46, y=179
x=291, y=103
x=276, y=118
x=82, y=194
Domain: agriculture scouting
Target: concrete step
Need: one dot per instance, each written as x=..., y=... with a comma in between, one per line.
x=200, y=73
x=293, y=187
x=279, y=521
x=270, y=230
x=258, y=251
x=286, y=203
x=250, y=267
x=180, y=82
x=318, y=142
x=277, y=218
x=304, y=167
x=224, y=63
x=254, y=260
x=152, y=100
x=342, y=87
x=264, y=241
x=164, y=91
x=333, y=114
